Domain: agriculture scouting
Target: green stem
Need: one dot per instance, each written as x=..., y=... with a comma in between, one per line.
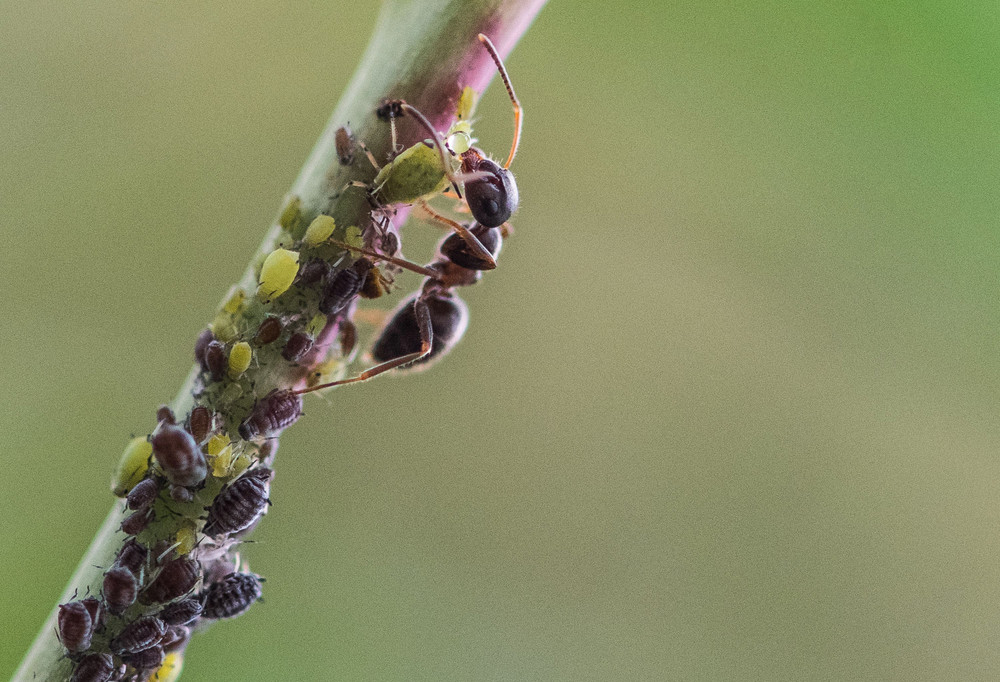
x=423, y=51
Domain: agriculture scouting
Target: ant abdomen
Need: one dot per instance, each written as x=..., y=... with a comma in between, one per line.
x=457, y=250
x=401, y=336
x=492, y=199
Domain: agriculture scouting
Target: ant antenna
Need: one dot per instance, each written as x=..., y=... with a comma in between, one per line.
x=518, y=112
x=405, y=264
x=438, y=142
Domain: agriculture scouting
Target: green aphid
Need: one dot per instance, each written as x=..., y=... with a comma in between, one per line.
x=132, y=466
x=415, y=174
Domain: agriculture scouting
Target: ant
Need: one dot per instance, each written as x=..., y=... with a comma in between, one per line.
x=423, y=171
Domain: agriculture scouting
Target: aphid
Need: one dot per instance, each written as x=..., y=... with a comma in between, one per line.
x=239, y=359
x=75, y=626
x=138, y=636
x=344, y=142
x=176, y=637
x=93, y=668
x=204, y=338
x=200, y=423
x=297, y=346
x=231, y=596
x=180, y=457
x=277, y=274
x=239, y=504
x=137, y=522
x=319, y=230
x=313, y=272
x=268, y=451
x=132, y=556
x=419, y=173
x=176, y=578
x=170, y=669
x=143, y=494
x=179, y=493
x=187, y=538
x=146, y=659
x=132, y=466
x=268, y=331
x=96, y=611
x=342, y=289
x=165, y=414
x=376, y=284
x=119, y=589
x=273, y=413
x=216, y=361
x=182, y=612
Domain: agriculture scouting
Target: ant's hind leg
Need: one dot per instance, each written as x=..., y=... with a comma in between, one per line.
x=476, y=246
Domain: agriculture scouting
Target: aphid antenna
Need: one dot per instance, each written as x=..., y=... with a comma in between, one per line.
x=167, y=551
x=518, y=111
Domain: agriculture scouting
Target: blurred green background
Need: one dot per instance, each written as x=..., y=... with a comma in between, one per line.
x=727, y=409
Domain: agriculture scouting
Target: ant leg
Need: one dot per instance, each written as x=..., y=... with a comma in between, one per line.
x=371, y=157
x=518, y=111
x=401, y=262
x=423, y=316
x=470, y=239
x=438, y=142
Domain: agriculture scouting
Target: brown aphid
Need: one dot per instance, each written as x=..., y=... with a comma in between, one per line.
x=93, y=668
x=268, y=331
x=216, y=360
x=200, y=423
x=138, y=636
x=146, y=659
x=176, y=637
x=273, y=413
x=231, y=596
x=96, y=611
x=268, y=451
x=175, y=579
x=132, y=556
x=342, y=289
x=137, y=522
x=180, y=457
x=205, y=338
x=313, y=272
x=119, y=589
x=143, y=494
x=179, y=493
x=297, y=346
x=183, y=612
x=344, y=143
x=75, y=626
x=240, y=503
x=347, y=333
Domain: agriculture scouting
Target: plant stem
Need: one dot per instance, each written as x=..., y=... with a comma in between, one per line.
x=423, y=51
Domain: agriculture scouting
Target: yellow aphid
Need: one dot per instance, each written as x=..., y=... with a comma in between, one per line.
x=277, y=274
x=239, y=359
x=466, y=103
x=240, y=464
x=285, y=240
x=170, y=669
x=291, y=216
x=352, y=237
x=223, y=328
x=331, y=370
x=222, y=461
x=216, y=444
x=186, y=539
x=234, y=303
x=319, y=230
x=316, y=325
x=132, y=466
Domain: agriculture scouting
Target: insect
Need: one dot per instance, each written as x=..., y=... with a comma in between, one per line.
x=138, y=636
x=240, y=503
x=182, y=460
x=93, y=668
x=271, y=414
x=182, y=612
x=75, y=626
x=119, y=589
x=418, y=173
x=231, y=596
x=176, y=578
x=143, y=494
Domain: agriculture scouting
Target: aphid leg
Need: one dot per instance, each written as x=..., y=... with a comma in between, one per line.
x=470, y=239
x=518, y=111
x=423, y=316
x=371, y=157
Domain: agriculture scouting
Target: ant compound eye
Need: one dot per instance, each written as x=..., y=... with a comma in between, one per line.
x=492, y=199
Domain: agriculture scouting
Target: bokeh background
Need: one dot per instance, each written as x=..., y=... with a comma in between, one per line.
x=727, y=410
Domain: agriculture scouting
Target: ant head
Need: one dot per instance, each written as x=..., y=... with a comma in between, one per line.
x=492, y=199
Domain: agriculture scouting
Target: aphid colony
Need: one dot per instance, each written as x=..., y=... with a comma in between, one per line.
x=196, y=485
